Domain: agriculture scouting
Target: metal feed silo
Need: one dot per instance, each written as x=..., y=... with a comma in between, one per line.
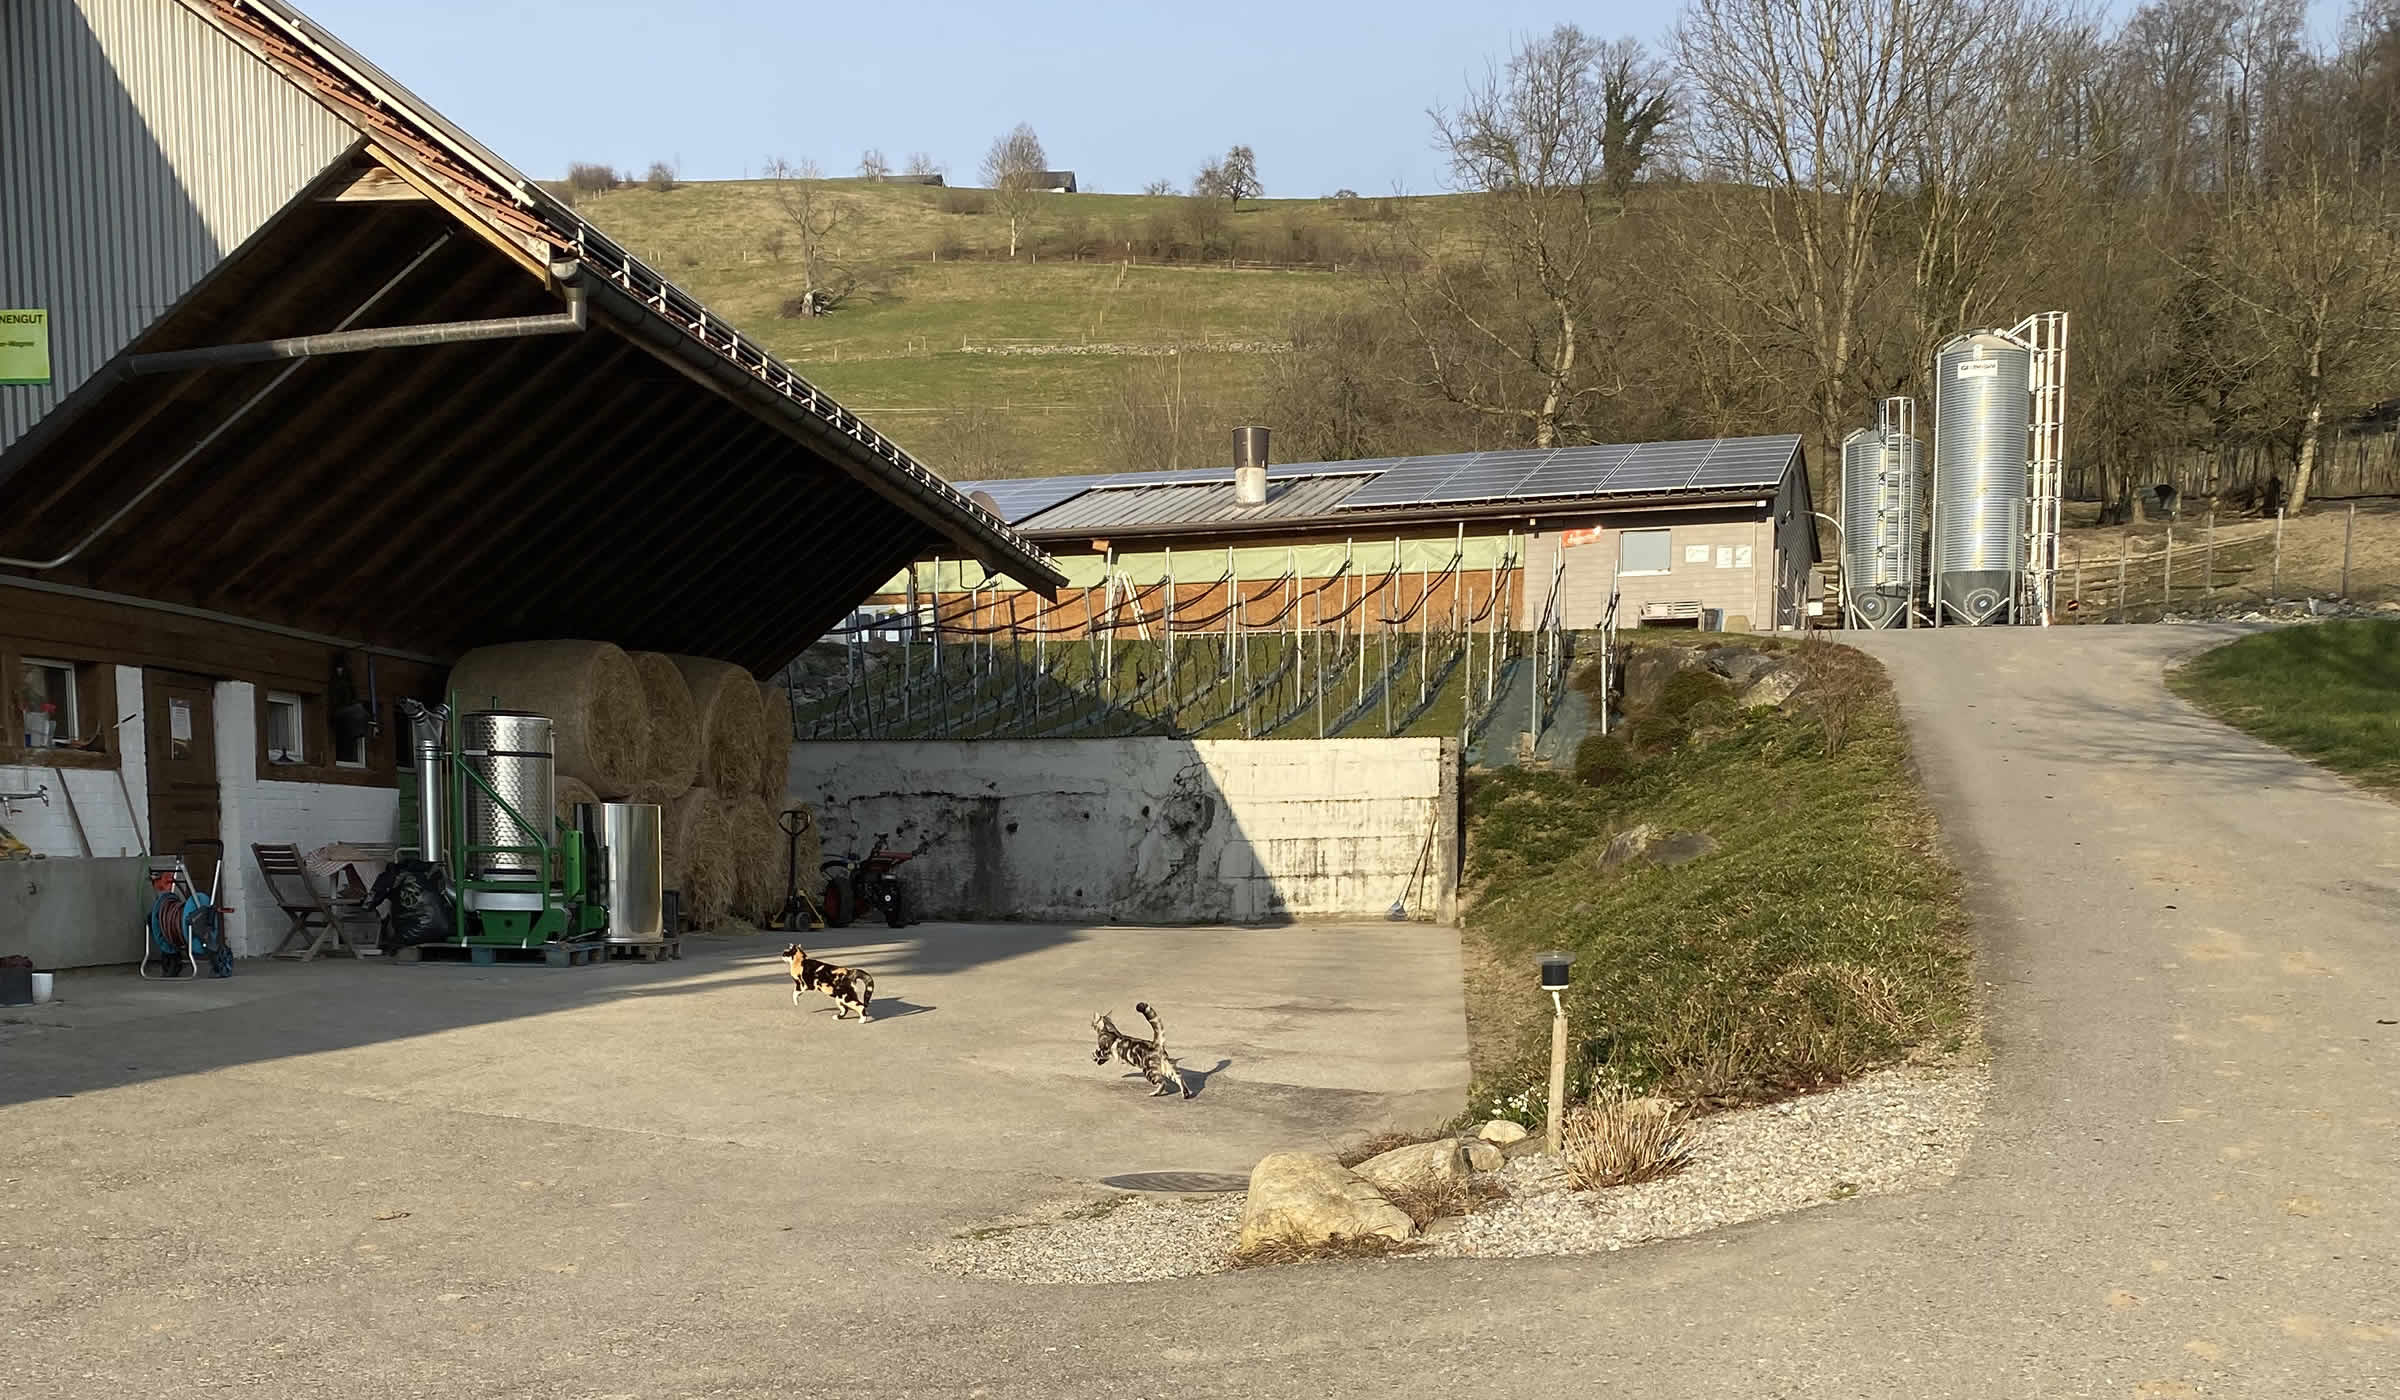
x=1980, y=414
x=1882, y=524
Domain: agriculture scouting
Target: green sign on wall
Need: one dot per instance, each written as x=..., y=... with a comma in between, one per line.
x=24, y=347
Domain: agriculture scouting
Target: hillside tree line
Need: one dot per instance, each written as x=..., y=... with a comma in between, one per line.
x=1774, y=222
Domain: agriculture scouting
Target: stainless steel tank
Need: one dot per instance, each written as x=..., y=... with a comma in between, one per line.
x=1881, y=525
x=1981, y=413
x=632, y=846
x=512, y=752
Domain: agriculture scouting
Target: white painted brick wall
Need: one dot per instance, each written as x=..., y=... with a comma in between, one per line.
x=113, y=827
x=252, y=809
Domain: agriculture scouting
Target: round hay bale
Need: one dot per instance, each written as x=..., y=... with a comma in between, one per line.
x=696, y=857
x=758, y=857
x=600, y=717
x=732, y=723
x=775, y=767
x=570, y=791
x=674, y=723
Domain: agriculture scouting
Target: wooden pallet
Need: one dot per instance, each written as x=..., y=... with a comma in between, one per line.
x=647, y=952
x=546, y=955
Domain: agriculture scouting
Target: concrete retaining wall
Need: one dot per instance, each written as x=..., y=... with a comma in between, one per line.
x=1164, y=831
x=74, y=911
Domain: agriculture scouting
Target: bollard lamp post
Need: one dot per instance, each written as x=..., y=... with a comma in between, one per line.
x=1554, y=981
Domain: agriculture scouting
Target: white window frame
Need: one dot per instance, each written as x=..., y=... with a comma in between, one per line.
x=357, y=764
x=266, y=738
x=1623, y=536
x=69, y=723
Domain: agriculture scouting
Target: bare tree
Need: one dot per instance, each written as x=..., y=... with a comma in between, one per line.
x=872, y=165
x=2309, y=284
x=815, y=218
x=1232, y=179
x=662, y=176
x=1013, y=169
x=919, y=163
x=1807, y=119
x=587, y=177
x=1637, y=101
x=1159, y=187
x=1504, y=327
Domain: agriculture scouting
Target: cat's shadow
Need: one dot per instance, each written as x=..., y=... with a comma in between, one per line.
x=1195, y=1080
x=884, y=1009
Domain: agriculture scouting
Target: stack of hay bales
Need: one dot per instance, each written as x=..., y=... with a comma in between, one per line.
x=700, y=739
x=599, y=715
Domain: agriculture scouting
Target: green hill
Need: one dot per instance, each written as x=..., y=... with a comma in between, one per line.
x=1116, y=306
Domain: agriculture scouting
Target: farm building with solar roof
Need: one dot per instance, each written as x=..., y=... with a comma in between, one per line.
x=1715, y=533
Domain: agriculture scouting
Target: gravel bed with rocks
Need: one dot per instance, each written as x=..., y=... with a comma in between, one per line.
x=1894, y=1130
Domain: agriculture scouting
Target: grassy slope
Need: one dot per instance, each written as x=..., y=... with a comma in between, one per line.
x=2328, y=692
x=917, y=352
x=1823, y=938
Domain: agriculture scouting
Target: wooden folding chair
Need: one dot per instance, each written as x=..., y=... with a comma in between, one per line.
x=317, y=923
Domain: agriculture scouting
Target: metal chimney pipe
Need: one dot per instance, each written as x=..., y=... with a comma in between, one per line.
x=1250, y=466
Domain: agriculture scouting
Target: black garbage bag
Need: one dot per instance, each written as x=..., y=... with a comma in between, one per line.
x=422, y=910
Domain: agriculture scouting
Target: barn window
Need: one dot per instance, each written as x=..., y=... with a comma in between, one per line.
x=284, y=729
x=46, y=702
x=1644, y=551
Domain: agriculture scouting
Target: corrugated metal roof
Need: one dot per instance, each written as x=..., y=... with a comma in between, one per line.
x=143, y=145
x=1194, y=503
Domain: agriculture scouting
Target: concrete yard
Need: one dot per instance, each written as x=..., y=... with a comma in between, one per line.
x=516, y=1180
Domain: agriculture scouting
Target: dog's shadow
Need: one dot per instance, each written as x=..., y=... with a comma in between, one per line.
x=1195, y=1080
x=884, y=1009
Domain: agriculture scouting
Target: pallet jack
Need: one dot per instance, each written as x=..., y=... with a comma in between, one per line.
x=799, y=913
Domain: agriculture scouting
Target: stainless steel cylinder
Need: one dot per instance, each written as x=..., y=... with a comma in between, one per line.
x=512, y=752
x=1981, y=413
x=632, y=841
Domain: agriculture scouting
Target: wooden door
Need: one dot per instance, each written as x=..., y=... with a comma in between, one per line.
x=183, y=767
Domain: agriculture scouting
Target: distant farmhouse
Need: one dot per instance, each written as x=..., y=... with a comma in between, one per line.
x=888, y=178
x=1055, y=181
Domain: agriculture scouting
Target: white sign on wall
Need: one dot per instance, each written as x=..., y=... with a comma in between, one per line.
x=1741, y=556
x=1724, y=556
x=1695, y=554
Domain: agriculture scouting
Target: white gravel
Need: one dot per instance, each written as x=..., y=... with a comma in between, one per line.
x=1895, y=1130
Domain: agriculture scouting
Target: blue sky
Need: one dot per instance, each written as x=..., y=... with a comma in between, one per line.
x=1329, y=95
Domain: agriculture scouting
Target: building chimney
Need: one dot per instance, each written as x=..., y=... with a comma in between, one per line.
x=1250, y=466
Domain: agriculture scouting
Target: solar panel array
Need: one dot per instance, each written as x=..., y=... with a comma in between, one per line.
x=1026, y=497
x=1643, y=469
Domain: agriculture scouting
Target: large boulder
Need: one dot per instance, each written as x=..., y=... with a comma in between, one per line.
x=1419, y=1166
x=1770, y=691
x=1740, y=665
x=1484, y=1157
x=1502, y=1131
x=1306, y=1198
x=1648, y=669
x=1651, y=845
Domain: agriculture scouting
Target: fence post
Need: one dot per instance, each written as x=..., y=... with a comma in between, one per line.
x=2079, y=576
x=2166, y=587
x=2275, y=575
x=2349, y=525
x=2208, y=560
x=2124, y=549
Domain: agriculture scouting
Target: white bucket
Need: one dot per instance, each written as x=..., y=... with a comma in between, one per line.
x=41, y=987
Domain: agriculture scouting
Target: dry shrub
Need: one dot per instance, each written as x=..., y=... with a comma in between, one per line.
x=1616, y=1140
x=1838, y=684
x=1429, y=1199
x=1287, y=1251
x=1377, y=1145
